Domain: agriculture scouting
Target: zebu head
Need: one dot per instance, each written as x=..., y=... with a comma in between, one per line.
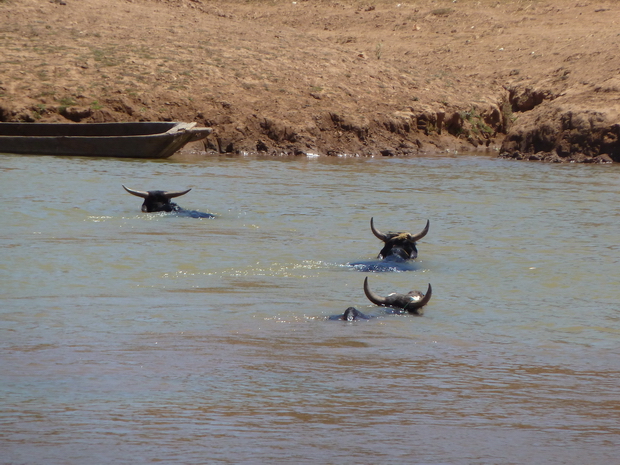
x=157, y=201
x=411, y=302
x=399, y=245
x=350, y=314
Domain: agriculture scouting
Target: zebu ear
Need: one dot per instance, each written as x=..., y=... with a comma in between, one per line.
x=172, y=194
x=142, y=194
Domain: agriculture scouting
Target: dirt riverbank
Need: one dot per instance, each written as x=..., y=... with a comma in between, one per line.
x=527, y=79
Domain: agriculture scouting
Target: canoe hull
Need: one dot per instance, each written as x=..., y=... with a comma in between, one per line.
x=119, y=140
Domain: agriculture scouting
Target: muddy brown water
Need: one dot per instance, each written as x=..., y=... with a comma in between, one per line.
x=135, y=338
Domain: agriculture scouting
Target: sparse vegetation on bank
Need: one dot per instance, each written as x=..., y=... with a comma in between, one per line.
x=527, y=79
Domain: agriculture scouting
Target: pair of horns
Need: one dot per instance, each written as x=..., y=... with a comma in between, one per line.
x=145, y=194
x=387, y=237
x=397, y=300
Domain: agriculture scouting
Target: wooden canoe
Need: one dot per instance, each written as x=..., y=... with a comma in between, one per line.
x=122, y=140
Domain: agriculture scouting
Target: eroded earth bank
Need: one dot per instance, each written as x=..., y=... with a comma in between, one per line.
x=527, y=79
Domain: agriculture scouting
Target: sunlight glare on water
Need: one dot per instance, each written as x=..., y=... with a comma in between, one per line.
x=130, y=337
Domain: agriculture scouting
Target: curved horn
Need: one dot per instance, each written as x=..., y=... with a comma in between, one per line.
x=422, y=302
x=378, y=233
x=420, y=235
x=142, y=194
x=374, y=298
x=172, y=194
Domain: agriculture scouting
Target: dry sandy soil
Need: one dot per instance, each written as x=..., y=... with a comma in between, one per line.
x=526, y=78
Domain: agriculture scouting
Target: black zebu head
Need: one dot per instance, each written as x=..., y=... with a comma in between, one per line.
x=350, y=314
x=158, y=201
x=398, y=246
x=411, y=302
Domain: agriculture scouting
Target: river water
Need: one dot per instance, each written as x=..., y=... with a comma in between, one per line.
x=128, y=337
